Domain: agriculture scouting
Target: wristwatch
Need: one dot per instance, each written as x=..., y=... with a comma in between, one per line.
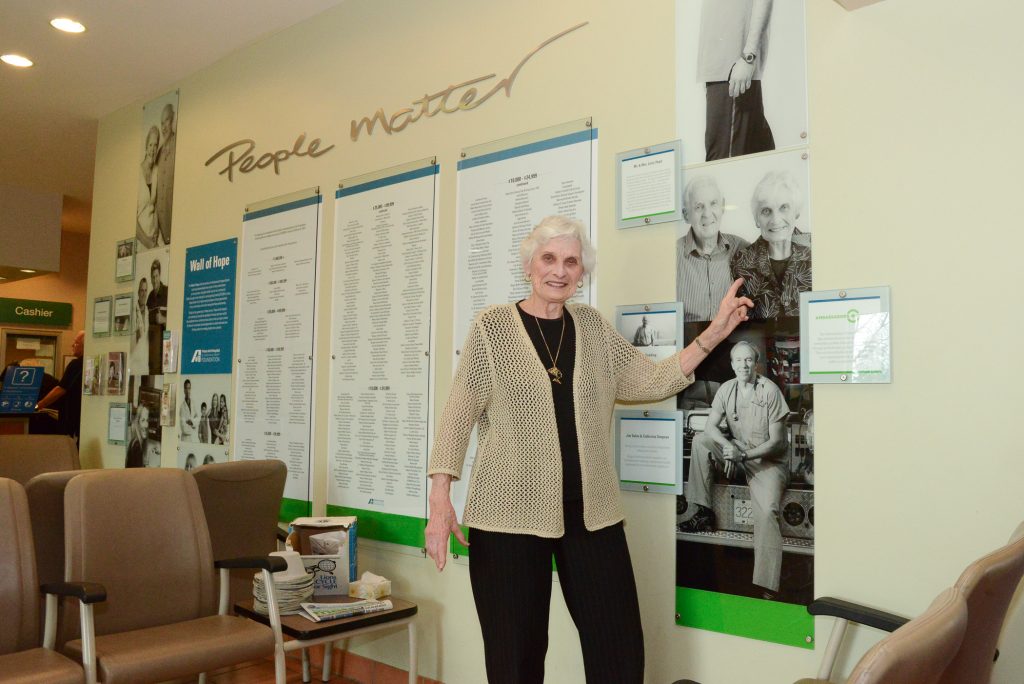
x=749, y=57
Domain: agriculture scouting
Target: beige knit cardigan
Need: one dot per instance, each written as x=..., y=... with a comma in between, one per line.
x=502, y=386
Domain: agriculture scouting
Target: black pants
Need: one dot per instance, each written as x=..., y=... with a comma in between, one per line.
x=511, y=578
x=735, y=126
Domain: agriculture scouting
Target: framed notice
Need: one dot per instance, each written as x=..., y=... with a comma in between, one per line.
x=648, y=185
x=846, y=336
x=123, y=313
x=117, y=423
x=101, y=316
x=380, y=417
x=647, y=448
x=124, y=264
x=272, y=415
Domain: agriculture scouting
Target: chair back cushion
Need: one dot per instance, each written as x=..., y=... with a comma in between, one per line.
x=22, y=457
x=46, y=506
x=920, y=650
x=987, y=584
x=142, y=534
x=19, y=591
x=241, y=500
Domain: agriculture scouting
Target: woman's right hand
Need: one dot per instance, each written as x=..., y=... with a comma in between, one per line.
x=442, y=522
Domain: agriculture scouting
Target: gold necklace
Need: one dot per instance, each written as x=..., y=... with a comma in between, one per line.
x=554, y=371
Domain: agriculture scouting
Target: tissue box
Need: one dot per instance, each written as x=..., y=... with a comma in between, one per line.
x=369, y=590
x=330, y=576
x=304, y=528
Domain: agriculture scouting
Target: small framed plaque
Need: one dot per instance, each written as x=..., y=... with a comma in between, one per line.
x=648, y=450
x=845, y=336
x=117, y=423
x=101, y=314
x=649, y=185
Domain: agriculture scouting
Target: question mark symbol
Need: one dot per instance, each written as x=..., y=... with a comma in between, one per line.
x=24, y=375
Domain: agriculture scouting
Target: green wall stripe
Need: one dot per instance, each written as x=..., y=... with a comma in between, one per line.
x=780, y=623
x=294, y=508
x=385, y=527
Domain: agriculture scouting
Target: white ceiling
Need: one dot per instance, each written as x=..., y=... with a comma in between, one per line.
x=131, y=49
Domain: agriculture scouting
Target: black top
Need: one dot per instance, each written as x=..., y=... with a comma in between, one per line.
x=561, y=393
x=71, y=412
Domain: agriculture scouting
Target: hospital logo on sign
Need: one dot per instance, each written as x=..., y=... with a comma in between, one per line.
x=206, y=356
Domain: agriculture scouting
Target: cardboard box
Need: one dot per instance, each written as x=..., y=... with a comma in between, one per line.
x=304, y=528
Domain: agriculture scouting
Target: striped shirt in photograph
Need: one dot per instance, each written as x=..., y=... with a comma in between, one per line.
x=703, y=279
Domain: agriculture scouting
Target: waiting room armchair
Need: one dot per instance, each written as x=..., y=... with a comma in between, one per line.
x=143, y=534
x=22, y=660
x=241, y=500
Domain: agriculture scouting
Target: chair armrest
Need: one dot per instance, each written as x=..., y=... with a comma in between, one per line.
x=271, y=563
x=854, y=612
x=282, y=535
x=86, y=592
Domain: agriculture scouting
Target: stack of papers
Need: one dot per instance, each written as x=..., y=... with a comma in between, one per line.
x=318, y=612
x=290, y=594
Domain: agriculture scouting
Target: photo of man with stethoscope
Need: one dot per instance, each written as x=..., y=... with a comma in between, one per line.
x=755, y=411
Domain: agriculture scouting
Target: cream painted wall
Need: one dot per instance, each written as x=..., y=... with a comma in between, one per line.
x=914, y=479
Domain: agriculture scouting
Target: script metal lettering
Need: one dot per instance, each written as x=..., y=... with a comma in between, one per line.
x=244, y=161
x=468, y=99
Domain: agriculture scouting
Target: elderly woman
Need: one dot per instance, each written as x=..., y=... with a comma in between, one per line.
x=776, y=267
x=539, y=379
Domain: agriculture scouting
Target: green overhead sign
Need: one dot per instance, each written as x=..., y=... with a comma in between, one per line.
x=32, y=312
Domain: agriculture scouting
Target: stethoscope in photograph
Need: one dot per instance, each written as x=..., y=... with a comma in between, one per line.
x=736, y=400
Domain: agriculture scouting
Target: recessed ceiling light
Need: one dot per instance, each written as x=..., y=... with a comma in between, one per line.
x=27, y=270
x=16, y=60
x=67, y=25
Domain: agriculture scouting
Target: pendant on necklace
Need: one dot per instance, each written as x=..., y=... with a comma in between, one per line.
x=556, y=374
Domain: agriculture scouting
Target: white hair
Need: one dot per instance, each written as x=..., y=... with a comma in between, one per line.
x=777, y=179
x=552, y=227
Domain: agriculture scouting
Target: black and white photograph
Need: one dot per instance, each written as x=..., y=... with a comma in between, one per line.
x=204, y=407
x=150, y=290
x=196, y=455
x=742, y=71
x=745, y=521
x=654, y=329
x=746, y=218
x=124, y=265
x=156, y=172
x=144, y=431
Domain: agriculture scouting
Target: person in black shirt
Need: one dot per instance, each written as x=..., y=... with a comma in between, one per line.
x=70, y=390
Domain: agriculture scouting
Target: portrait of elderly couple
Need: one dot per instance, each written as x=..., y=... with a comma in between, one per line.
x=759, y=232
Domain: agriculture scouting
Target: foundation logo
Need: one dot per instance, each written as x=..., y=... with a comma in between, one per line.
x=852, y=315
x=206, y=356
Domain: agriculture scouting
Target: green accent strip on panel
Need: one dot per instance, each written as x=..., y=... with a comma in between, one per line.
x=862, y=372
x=657, y=213
x=294, y=508
x=644, y=482
x=386, y=527
x=780, y=623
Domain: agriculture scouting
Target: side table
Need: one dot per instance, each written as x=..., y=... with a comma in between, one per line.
x=305, y=633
